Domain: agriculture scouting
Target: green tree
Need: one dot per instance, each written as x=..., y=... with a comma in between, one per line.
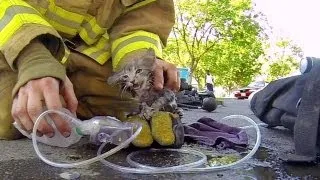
x=282, y=59
x=222, y=36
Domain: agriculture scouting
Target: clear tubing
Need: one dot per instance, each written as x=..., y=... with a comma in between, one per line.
x=259, y=124
x=144, y=169
x=82, y=163
x=198, y=163
x=155, y=170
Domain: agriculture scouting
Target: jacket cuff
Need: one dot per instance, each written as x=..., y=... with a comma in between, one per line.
x=35, y=61
x=136, y=41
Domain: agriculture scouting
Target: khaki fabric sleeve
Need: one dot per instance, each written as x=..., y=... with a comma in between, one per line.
x=20, y=23
x=36, y=61
x=144, y=24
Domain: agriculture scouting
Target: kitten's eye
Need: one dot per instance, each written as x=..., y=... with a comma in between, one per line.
x=125, y=76
x=138, y=71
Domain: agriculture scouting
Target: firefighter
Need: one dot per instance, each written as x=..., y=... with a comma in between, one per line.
x=59, y=53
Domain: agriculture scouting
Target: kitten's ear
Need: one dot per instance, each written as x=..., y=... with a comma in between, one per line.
x=151, y=53
x=149, y=58
x=113, y=79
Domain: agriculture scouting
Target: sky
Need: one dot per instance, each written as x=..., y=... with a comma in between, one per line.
x=299, y=20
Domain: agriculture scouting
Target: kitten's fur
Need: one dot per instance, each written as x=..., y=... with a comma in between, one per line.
x=136, y=77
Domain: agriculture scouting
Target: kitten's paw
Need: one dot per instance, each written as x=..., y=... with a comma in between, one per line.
x=147, y=112
x=129, y=114
x=179, y=111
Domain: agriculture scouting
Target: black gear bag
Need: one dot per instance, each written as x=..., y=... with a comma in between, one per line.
x=294, y=103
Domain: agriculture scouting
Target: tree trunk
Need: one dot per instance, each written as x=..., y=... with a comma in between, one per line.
x=200, y=84
x=190, y=76
x=192, y=67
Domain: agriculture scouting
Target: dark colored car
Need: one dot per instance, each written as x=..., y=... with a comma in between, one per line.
x=244, y=93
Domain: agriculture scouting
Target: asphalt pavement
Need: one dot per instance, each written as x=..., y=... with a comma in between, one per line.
x=19, y=161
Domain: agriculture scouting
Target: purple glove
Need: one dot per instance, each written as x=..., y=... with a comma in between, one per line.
x=212, y=133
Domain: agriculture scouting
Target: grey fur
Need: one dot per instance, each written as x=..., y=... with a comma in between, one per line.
x=136, y=77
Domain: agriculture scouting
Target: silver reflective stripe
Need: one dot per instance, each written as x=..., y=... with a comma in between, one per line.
x=12, y=11
x=91, y=34
x=66, y=22
x=98, y=53
x=132, y=40
x=81, y=48
x=107, y=46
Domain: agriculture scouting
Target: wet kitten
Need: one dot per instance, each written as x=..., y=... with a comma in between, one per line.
x=136, y=77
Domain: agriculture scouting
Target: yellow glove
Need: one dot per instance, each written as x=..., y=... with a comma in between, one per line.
x=161, y=127
x=144, y=139
x=164, y=127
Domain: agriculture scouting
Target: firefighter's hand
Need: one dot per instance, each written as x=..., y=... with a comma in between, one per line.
x=166, y=75
x=31, y=98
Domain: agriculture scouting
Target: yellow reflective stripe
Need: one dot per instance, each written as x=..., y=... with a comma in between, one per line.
x=41, y=10
x=13, y=17
x=7, y=15
x=63, y=29
x=16, y=14
x=133, y=47
x=67, y=22
x=106, y=35
x=78, y=18
x=63, y=20
x=103, y=57
x=116, y=43
x=42, y=6
x=90, y=50
x=66, y=55
x=135, y=41
x=95, y=28
x=138, y=5
x=100, y=52
x=103, y=43
x=91, y=31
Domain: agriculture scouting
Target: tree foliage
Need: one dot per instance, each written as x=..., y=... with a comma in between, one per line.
x=281, y=59
x=222, y=36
